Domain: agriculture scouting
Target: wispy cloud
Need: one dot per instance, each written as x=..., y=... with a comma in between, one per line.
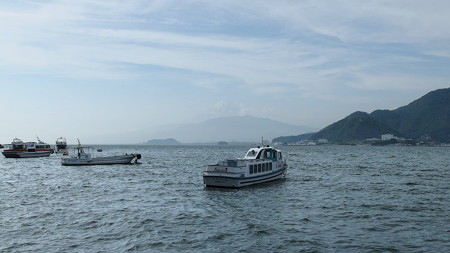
x=84, y=35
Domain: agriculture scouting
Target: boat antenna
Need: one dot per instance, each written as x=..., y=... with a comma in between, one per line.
x=262, y=141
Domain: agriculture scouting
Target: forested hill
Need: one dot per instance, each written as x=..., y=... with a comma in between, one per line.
x=356, y=126
x=428, y=116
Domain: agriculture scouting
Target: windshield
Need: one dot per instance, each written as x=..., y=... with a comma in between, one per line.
x=251, y=153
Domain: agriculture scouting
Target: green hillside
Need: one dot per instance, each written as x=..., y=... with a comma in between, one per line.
x=427, y=116
x=353, y=128
x=292, y=139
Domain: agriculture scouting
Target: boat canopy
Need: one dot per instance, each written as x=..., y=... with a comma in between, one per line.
x=263, y=153
x=61, y=141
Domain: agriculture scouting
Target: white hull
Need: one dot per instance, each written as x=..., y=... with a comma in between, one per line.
x=61, y=151
x=233, y=180
x=27, y=154
x=108, y=160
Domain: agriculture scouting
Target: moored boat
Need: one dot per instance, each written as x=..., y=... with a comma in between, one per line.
x=261, y=164
x=20, y=149
x=84, y=158
x=61, y=145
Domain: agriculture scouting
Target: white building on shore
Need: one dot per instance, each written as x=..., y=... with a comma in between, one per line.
x=386, y=137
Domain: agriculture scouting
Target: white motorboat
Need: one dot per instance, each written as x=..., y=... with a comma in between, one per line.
x=261, y=164
x=61, y=145
x=85, y=158
x=20, y=149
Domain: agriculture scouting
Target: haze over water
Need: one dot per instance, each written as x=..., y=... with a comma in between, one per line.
x=334, y=199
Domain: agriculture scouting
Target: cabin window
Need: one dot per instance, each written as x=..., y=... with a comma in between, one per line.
x=251, y=153
x=261, y=167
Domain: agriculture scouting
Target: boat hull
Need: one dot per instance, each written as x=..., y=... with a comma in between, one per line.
x=61, y=151
x=26, y=154
x=233, y=181
x=108, y=160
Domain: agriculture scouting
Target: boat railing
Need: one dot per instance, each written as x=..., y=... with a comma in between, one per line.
x=254, y=160
x=240, y=162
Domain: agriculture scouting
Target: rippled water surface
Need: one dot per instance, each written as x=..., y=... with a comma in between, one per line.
x=334, y=199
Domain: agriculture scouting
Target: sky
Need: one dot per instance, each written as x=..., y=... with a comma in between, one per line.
x=89, y=67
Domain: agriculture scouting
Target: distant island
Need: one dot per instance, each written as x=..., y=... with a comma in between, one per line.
x=169, y=141
x=425, y=121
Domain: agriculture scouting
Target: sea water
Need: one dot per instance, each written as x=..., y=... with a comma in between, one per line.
x=334, y=199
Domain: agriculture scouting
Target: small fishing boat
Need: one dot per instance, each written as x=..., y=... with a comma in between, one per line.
x=20, y=149
x=261, y=164
x=84, y=158
x=61, y=145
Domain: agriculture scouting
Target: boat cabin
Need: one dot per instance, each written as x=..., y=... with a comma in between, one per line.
x=61, y=143
x=42, y=146
x=17, y=144
x=264, y=153
x=81, y=154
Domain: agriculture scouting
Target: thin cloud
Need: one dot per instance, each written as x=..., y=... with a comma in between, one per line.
x=61, y=36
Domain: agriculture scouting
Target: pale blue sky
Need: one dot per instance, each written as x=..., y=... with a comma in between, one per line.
x=87, y=67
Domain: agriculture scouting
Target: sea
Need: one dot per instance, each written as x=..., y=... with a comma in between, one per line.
x=333, y=199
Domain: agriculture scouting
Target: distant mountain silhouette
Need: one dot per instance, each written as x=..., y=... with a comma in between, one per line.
x=427, y=116
x=169, y=141
x=238, y=128
x=228, y=129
